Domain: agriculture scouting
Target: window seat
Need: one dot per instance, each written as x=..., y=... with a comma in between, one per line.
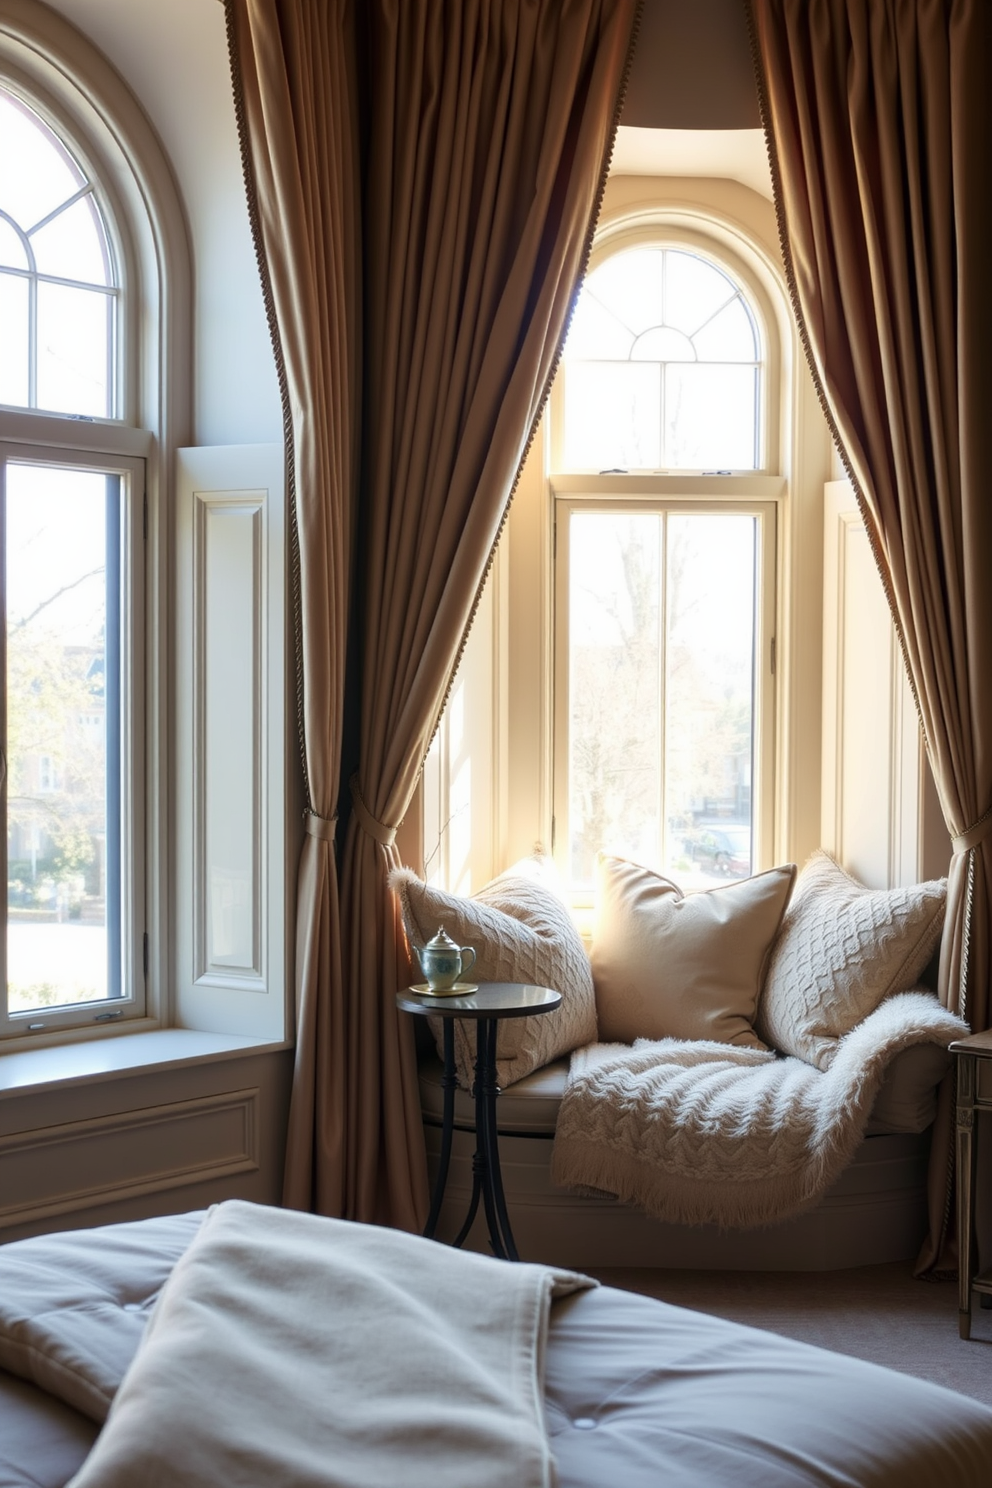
x=874, y=1213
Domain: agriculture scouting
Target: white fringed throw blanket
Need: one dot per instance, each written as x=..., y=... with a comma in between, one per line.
x=701, y=1132
x=290, y=1349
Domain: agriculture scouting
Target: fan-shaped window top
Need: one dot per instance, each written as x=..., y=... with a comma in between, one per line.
x=661, y=368
x=59, y=287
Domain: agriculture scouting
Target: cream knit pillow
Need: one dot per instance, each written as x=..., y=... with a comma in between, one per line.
x=685, y=966
x=521, y=931
x=843, y=949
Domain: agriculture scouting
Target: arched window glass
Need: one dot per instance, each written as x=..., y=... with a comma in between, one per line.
x=662, y=367
x=59, y=285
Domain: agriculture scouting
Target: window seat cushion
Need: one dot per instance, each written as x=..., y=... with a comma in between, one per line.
x=906, y=1102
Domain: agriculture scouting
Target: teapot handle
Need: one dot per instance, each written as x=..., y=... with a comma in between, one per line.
x=467, y=965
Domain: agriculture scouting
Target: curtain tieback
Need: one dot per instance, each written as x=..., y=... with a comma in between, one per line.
x=322, y=826
x=973, y=835
x=372, y=828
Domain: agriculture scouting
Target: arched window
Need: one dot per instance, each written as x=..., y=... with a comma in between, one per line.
x=59, y=280
x=664, y=569
x=662, y=367
x=89, y=393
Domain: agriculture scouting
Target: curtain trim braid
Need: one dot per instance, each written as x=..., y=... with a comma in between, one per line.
x=368, y=823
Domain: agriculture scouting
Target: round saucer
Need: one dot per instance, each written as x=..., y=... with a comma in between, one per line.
x=460, y=989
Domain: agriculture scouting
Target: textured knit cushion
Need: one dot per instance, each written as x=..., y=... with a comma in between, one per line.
x=843, y=949
x=521, y=931
x=686, y=966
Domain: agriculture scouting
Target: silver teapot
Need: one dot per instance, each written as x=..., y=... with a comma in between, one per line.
x=443, y=961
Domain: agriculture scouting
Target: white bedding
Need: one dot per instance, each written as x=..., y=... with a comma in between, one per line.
x=637, y=1393
x=248, y=1370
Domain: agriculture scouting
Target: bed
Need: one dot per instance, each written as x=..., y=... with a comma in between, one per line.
x=633, y=1391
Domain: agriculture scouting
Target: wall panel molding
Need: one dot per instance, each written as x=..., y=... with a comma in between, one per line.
x=233, y=719
x=229, y=688
x=124, y=1155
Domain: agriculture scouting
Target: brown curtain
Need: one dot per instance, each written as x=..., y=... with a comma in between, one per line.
x=296, y=92
x=428, y=290
x=879, y=119
x=491, y=127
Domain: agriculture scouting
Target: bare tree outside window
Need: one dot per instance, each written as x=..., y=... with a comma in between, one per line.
x=661, y=642
x=56, y=718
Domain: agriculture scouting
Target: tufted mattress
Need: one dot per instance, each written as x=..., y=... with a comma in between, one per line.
x=637, y=1393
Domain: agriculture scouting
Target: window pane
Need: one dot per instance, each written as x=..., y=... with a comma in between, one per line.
x=36, y=174
x=73, y=245
x=62, y=709
x=73, y=347
x=13, y=340
x=661, y=692
x=615, y=668
x=629, y=285
x=12, y=251
x=596, y=331
x=612, y=416
x=663, y=344
x=710, y=417
x=694, y=290
x=674, y=309
x=63, y=357
x=710, y=694
x=728, y=337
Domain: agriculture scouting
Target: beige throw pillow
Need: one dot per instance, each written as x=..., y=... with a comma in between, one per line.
x=521, y=931
x=844, y=948
x=688, y=966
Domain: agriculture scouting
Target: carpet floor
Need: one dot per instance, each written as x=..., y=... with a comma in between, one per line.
x=878, y=1313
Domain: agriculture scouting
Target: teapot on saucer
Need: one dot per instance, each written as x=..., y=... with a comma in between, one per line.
x=443, y=961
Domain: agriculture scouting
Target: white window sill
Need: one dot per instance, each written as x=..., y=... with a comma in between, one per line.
x=32, y=1070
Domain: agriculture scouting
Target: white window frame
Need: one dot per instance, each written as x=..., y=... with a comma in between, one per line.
x=77, y=92
x=735, y=227
x=698, y=246
x=77, y=148
x=131, y=1004
x=757, y=496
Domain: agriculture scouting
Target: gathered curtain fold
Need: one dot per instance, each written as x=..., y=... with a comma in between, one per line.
x=490, y=133
x=424, y=178
x=296, y=94
x=879, y=117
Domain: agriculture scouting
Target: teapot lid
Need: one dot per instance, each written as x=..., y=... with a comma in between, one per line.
x=442, y=941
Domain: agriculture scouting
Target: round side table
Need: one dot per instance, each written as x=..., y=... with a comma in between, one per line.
x=485, y=1006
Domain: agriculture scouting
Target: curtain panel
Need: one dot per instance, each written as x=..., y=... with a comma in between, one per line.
x=491, y=127
x=424, y=178
x=294, y=68
x=879, y=116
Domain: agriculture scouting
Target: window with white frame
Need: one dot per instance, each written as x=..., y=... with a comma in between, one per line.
x=71, y=547
x=59, y=287
x=662, y=368
x=665, y=543
x=648, y=677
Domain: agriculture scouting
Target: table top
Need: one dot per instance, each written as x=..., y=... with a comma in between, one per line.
x=490, y=1000
x=975, y=1043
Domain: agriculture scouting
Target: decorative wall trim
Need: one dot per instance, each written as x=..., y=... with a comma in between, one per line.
x=74, y=1166
x=228, y=916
